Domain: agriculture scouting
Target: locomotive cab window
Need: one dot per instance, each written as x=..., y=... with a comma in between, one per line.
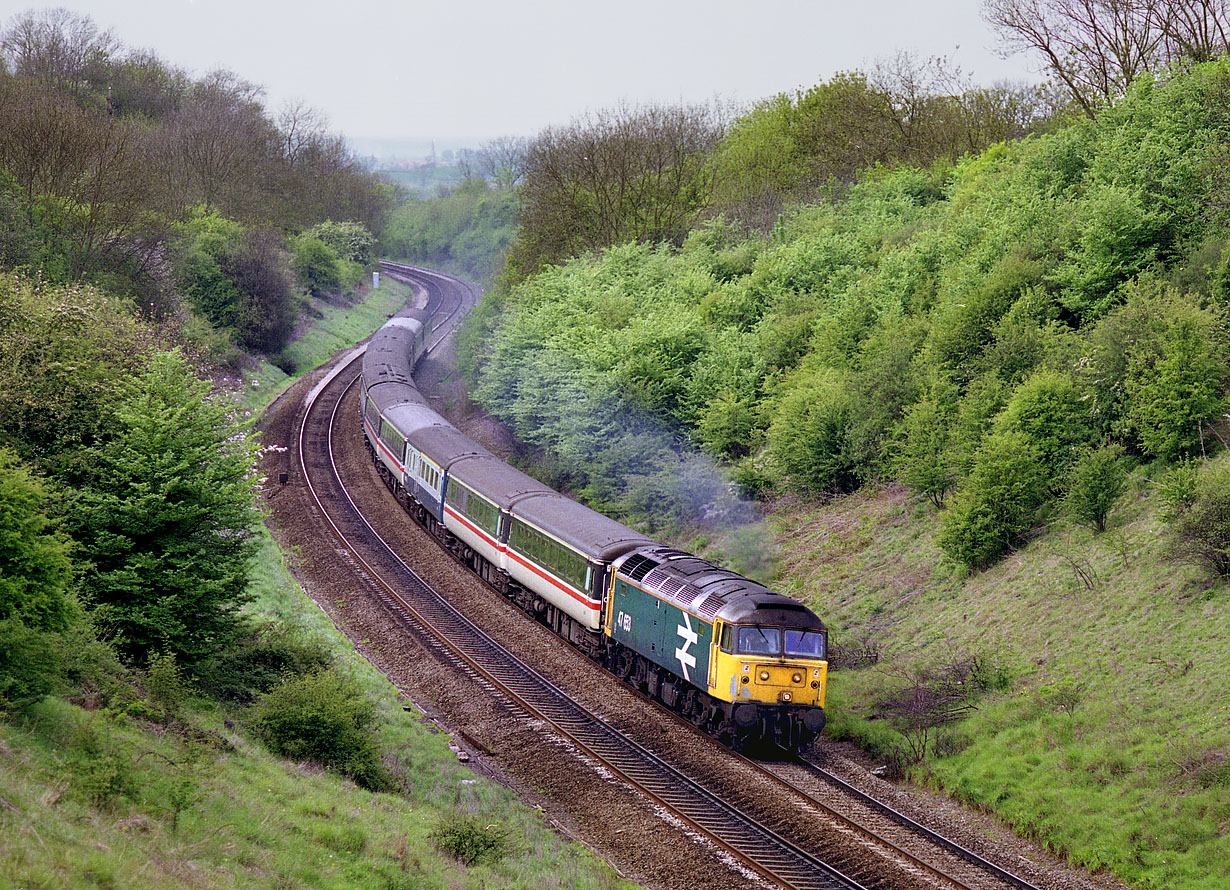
x=760, y=640
x=805, y=643
x=727, y=639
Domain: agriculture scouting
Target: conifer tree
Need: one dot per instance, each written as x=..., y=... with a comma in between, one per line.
x=164, y=518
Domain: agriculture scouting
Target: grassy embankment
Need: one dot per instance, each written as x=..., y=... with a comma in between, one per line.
x=126, y=797
x=1108, y=743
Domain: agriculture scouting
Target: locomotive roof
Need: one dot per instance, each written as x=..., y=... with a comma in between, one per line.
x=496, y=480
x=593, y=534
x=711, y=591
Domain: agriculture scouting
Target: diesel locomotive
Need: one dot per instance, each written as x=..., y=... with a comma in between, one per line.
x=728, y=654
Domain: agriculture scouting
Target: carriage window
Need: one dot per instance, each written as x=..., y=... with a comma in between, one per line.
x=808, y=643
x=760, y=640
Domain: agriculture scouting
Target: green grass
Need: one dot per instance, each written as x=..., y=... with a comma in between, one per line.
x=110, y=798
x=1111, y=744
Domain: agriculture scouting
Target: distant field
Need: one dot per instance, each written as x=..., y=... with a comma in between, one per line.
x=423, y=179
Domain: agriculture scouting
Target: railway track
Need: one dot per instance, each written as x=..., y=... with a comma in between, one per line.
x=759, y=847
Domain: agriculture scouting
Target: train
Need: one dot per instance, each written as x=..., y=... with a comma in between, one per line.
x=730, y=655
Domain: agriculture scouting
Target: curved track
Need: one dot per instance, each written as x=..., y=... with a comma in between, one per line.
x=406, y=596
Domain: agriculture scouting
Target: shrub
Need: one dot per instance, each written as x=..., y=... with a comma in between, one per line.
x=997, y=503
x=258, y=662
x=323, y=717
x=30, y=665
x=167, y=686
x=1177, y=489
x=316, y=266
x=348, y=240
x=809, y=437
x=1095, y=484
x=471, y=839
x=923, y=459
x=1202, y=530
x=1048, y=409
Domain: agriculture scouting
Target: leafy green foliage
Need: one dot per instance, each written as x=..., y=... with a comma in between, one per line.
x=63, y=352
x=323, y=717
x=809, y=437
x=996, y=505
x=1048, y=409
x=1095, y=483
x=35, y=570
x=894, y=327
x=316, y=266
x=472, y=839
x=469, y=229
x=168, y=686
x=31, y=664
x=923, y=460
x=1202, y=527
x=163, y=516
x=349, y=240
x=258, y=662
x=238, y=279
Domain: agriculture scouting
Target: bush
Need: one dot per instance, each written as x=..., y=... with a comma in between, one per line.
x=1095, y=484
x=1202, y=529
x=923, y=459
x=258, y=662
x=471, y=839
x=316, y=266
x=997, y=503
x=323, y=717
x=348, y=240
x=809, y=437
x=1048, y=409
x=31, y=666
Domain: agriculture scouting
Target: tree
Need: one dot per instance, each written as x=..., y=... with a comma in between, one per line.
x=63, y=49
x=81, y=174
x=1202, y=526
x=632, y=174
x=1095, y=484
x=164, y=517
x=500, y=161
x=924, y=459
x=1096, y=48
x=995, y=506
x=63, y=352
x=35, y=570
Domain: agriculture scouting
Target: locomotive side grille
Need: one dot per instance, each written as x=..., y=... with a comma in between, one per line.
x=655, y=577
x=671, y=587
x=709, y=605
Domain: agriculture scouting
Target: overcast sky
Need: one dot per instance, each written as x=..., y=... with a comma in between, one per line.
x=474, y=69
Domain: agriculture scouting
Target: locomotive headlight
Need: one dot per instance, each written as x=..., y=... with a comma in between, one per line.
x=796, y=677
x=815, y=684
x=764, y=676
x=745, y=678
